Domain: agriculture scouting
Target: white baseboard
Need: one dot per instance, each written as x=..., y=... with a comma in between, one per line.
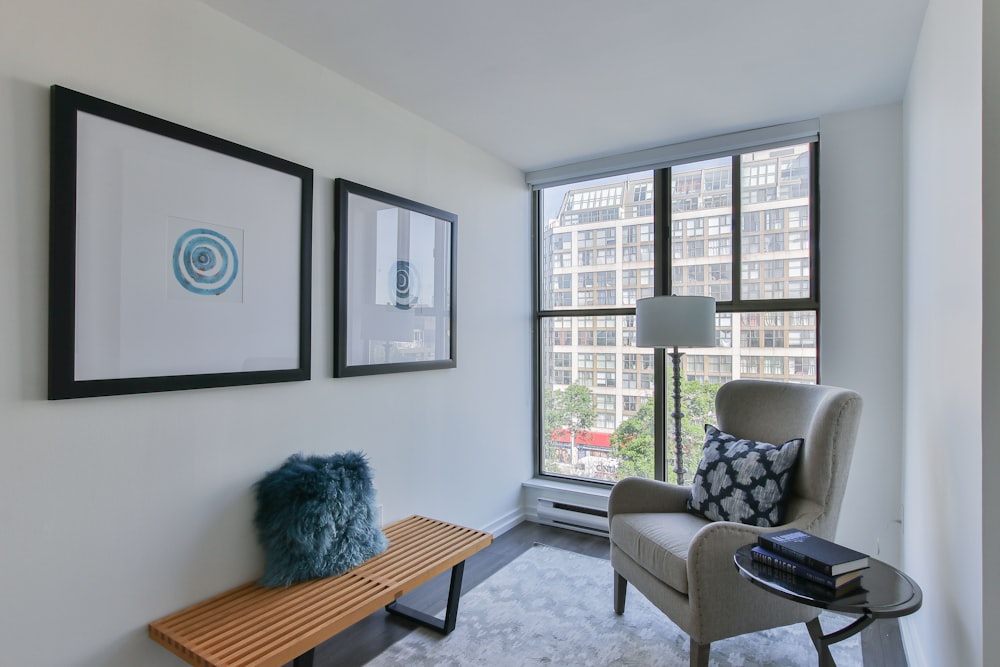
x=911, y=643
x=506, y=522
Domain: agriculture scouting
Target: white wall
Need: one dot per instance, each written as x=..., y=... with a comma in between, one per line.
x=943, y=492
x=991, y=319
x=115, y=511
x=861, y=326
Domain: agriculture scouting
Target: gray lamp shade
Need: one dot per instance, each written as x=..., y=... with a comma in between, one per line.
x=675, y=321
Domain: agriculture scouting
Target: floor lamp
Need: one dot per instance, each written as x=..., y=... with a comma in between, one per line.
x=672, y=322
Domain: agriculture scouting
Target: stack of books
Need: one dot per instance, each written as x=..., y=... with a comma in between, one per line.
x=805, y=556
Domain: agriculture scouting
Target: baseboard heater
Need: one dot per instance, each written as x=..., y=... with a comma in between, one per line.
x=575, y=517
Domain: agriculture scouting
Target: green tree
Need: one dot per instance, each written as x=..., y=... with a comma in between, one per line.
x=571, y=409
x=632, y=443
x=698, y=406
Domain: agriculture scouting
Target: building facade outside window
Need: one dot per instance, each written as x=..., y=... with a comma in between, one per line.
x=741, y=229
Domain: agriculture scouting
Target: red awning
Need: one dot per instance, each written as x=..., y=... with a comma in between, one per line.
x=586, y=438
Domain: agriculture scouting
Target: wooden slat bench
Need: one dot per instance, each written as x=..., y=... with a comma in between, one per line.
x=268, y=627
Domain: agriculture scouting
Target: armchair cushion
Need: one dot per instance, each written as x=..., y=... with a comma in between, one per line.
x=742, y=480
x=659, y=542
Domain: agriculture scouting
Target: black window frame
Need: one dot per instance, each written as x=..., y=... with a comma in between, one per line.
x=664, y=209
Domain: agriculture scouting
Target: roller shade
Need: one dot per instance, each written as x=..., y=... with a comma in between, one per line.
x=674, y=154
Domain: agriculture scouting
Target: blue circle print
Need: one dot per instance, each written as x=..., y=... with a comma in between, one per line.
x=404, y=288
x=205, y=262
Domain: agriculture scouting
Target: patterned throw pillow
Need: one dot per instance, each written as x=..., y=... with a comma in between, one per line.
x=742, y=480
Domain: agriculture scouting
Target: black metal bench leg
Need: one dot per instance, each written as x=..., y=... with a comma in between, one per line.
x=305, y=660
x=451, y=612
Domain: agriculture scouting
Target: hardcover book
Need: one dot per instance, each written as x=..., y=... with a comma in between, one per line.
x=823, y=555
x=851, y=594
x=840, y=583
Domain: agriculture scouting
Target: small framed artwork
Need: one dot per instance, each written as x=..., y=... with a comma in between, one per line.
x=178, y=260
x=395, y=294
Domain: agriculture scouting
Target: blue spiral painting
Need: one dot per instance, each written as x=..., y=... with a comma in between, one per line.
x=405, y=289
x=205, y=262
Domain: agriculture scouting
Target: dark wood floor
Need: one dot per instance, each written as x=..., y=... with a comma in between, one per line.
x=881, y=643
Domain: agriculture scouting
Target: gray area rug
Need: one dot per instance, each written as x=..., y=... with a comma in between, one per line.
x=554, y=607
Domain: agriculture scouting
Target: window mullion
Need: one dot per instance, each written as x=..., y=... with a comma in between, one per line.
x=663, y=222
x=737, y=226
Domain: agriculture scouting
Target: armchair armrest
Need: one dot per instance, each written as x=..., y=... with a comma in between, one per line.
x=710, y=556
x=638, y=495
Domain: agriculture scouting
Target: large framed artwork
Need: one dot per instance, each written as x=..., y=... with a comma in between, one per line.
x=178, y=260
x=395, y=294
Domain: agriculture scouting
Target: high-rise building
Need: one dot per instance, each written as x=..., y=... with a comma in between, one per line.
x=597, y=257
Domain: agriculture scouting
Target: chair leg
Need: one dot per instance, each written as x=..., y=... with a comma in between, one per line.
x=699, y=654
x=621, y=585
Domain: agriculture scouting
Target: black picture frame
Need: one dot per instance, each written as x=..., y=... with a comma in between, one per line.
x=132, y=309
x=395, y=298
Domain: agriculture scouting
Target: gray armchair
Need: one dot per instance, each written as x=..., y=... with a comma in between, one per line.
x=684, y=564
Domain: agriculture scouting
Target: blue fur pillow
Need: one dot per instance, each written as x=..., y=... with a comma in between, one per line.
x=316, y=517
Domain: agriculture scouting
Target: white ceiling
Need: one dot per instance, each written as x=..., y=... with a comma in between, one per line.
x=541, y=83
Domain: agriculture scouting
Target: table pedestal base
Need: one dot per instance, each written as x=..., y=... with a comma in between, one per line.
x=822, y=642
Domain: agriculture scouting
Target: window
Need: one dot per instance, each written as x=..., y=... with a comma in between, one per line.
x=740, y=228
x=802, y=366
x=774, y=365
x=801, y=338
x=774, y=338
x=718, y=247
x=720, y=364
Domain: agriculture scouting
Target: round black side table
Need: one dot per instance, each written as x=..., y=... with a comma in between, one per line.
x=885, y=592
